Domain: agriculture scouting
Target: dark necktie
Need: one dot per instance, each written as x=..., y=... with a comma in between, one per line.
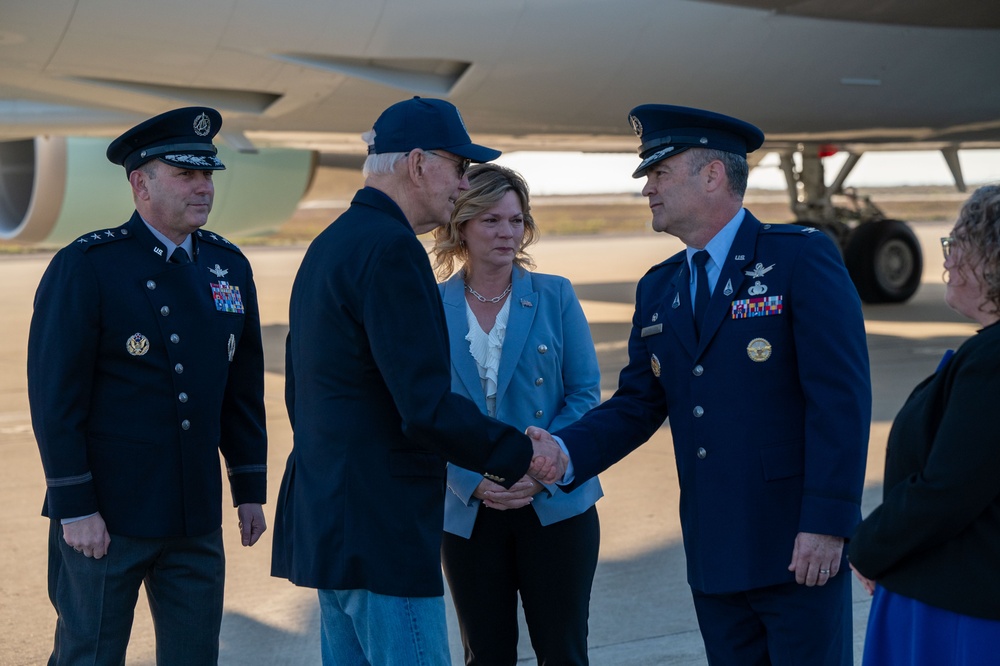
x=180, y=256
x=702, y=292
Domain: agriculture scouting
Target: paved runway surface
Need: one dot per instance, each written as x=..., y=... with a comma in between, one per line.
x=641, y=611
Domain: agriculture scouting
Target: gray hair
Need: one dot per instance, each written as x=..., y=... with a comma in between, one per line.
x=378, y=164
x=737, y=169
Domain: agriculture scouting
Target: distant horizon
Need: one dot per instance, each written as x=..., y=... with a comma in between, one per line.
x=552, y=173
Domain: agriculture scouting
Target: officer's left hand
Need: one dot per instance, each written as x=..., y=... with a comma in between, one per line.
x=251, y=522
x=816, y=558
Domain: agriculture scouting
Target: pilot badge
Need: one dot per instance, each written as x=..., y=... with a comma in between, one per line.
x=759, y=350
x=655, y=364
x=137, y=345
x=231, y=346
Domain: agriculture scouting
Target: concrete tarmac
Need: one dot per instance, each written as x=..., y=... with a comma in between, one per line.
x=641, y=612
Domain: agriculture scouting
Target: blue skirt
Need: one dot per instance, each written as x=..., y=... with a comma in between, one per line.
x=906, y=632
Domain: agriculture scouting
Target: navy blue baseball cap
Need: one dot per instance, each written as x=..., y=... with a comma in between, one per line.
x=428, y=124
x=666, y=130
x=181, y=138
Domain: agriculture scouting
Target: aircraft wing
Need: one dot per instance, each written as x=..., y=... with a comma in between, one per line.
x=531, y=74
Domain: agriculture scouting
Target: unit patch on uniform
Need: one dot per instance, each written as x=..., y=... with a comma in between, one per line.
x=654, y=363
x=227, y=297
x=137, y=345
x=757, y=307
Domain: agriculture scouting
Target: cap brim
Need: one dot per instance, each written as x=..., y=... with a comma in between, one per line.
x=474, y=152
x=658, y=156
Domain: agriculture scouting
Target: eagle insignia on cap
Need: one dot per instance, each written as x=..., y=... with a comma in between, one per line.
x=202, y=124
x=636, y=125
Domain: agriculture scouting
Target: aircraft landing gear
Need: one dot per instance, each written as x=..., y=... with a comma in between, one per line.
x=882, y=255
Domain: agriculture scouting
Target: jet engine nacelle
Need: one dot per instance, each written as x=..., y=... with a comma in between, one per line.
x=55, y=189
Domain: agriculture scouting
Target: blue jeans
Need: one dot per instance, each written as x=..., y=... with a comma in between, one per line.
x=362, y=628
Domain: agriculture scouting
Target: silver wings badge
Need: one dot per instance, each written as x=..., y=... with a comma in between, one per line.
x=758, y=270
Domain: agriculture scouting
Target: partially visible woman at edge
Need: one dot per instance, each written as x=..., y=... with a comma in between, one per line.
x=520, y=349
x=931, y=551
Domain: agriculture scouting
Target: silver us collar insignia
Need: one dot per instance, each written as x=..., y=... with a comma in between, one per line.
x=218, y=271
x=137, y=345
x=758, y=270
x=232, y=347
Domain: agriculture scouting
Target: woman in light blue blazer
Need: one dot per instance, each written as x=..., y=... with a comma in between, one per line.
x=521, y=349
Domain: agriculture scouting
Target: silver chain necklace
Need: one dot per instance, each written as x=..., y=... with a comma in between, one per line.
x=483, y=299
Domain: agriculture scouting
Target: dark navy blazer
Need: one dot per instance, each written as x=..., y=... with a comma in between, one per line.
x=769, y=410
x=368, y=390
x=139, y=372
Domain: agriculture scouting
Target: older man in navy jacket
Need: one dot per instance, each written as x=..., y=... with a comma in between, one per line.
x=368, y=390
x=752, y=340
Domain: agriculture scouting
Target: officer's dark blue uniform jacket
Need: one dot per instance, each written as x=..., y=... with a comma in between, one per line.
x=769, y=411
x=368, y=389
x=139, y=372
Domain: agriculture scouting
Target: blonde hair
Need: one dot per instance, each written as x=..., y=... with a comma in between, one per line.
x=488, y=183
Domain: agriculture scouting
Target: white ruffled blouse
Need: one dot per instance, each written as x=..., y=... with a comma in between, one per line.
x=486, y=349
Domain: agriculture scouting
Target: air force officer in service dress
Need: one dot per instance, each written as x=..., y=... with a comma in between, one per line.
x=144, y=361
x=752, y=341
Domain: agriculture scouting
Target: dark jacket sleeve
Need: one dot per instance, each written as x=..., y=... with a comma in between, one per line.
x=409, y=340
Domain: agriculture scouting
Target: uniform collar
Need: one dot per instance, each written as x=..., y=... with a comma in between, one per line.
x=169, y=246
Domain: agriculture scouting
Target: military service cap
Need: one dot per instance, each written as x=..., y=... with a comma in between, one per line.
x=666, y=130
x=181, y=138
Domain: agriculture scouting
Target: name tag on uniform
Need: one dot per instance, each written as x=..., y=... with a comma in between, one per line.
x=651, y=330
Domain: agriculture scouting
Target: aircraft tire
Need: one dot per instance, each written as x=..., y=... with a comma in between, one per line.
x=884, y=260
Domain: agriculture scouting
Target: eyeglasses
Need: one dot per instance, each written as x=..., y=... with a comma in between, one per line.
x=463, y=164
x=947, y=244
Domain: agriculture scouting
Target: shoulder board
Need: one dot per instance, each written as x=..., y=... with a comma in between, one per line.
x=101, y=237
x=216, y=239
x=788, y=228
x=672, y=261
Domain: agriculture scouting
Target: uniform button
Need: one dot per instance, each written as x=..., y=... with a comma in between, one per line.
x=183, y=397
x=150, y=284
x=538, y=414
x=179, y=368
x=542, y=349
x=185, y=425
x=702, y=453
x=164, y=311
x=174, y=338
x=698, y=412
x=539, y=381
x=698, y=371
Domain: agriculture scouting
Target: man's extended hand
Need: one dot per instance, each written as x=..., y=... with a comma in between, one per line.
x=251, y=522
x=548, y=465
x=816, y=558
x=88, y=536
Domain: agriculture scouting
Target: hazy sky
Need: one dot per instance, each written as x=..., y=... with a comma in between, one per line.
x=576, y=173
